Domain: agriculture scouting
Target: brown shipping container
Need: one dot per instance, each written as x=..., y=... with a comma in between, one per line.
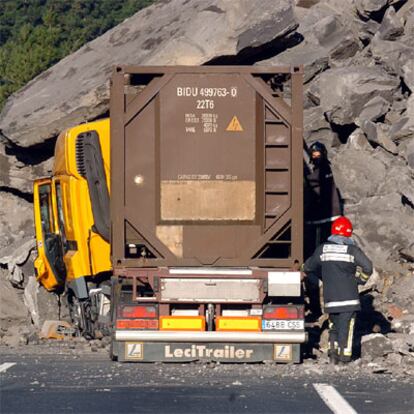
x=206, y=166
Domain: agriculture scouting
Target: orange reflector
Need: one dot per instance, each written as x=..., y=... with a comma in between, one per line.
x=238, y=323
x=283, y=312
x=138, y=311
x=182, y=323
x=137, y=324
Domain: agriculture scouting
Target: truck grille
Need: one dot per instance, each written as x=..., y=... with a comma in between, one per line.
x=80, y=155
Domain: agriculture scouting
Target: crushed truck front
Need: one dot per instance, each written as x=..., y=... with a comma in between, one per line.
x=206, y=213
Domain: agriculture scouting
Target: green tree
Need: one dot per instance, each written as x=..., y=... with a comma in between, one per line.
x=35, y=34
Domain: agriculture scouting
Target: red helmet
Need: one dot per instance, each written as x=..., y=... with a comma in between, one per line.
x=342, y=227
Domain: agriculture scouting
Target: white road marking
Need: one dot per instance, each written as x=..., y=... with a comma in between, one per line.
x=4, y=367
x=333, y=399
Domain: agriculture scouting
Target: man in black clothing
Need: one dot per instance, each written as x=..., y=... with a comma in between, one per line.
x=323, y=203
x=322, y=206
x=341, y=265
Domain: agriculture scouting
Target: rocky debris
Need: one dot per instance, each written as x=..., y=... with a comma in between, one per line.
x=392, y=26
x=16, y=220
x=370, y=8
x=12, y=308
x=316, y=128
x=391, y=55
x=43, y=305
x=326, y=37
x=56, y=330
x=166, y=33
x=373, y=110
x=15, y=260
x=375, y=345
x=14, y=173
x=344, y=92
x=408, y=74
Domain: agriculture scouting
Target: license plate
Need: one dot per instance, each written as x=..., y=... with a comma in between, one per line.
x=281, y=324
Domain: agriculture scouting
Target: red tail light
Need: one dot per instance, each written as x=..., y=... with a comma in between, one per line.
x=137, y=324
x=283, y=312
x=138, y=311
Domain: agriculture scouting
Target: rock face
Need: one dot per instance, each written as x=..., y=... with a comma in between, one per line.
x=174, y=32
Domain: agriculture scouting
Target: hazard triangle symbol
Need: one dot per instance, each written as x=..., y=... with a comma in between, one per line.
x=234, y=125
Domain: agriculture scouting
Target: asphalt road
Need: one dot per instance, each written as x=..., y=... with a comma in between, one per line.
x=86, y=382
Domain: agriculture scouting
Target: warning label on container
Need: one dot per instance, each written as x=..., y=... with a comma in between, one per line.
x=234, y=125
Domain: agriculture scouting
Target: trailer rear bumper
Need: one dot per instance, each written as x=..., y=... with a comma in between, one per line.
x=212, y=336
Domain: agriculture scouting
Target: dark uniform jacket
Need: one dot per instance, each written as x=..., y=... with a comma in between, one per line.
x=322, y=196
x=335, y=262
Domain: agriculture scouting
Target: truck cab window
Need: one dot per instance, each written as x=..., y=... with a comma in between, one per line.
x=46, y=209
x=52, y=241
x=60, y=216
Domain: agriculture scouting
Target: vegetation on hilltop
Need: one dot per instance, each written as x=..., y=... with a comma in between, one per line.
x=35, y=34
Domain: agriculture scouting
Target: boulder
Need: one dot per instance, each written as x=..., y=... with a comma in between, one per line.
x=344, y=92
x=369, y=8
x=41, y=304
x=384, y=226
x=391, y=55
x=358, y=140
x=379, y=194
x=373, y=109
x=392, y=26
x=316, y=128
x=402, y=343
x=16, y=174
x=18, y=260
x=176, y=32
x=406, y=150
x=378, y=134
x=16, y=221
x=375, y=345
x=326, y=36
x=12, y=308
x=408, y=74
x=357, y=174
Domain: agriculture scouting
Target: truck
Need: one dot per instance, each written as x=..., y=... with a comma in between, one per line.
x=176, y=225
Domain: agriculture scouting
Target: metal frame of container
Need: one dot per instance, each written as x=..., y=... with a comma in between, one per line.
x=126, y=104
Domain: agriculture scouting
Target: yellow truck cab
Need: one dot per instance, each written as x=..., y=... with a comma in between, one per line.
x=72, y=219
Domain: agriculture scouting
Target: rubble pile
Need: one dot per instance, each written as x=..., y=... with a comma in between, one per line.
x=358, y=58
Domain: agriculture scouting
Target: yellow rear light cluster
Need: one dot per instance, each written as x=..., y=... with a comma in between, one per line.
x=239, y=323
x=182, y=323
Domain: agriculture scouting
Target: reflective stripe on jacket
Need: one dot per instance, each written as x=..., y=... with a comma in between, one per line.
x=336, y=264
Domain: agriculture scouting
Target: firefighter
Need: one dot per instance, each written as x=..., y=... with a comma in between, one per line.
x=341, y=265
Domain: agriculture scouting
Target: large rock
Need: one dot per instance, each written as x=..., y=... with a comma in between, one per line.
x=375, y=345
x=326, y=36
x=12, y=308
x=369, y=8
x=391, y=55
x=344, y=92
x=379, y=194
x=316, y=128
x=408, y=74
x=176, y=32
x=18, y=175
x=392, y=26
x=41, y=304
x=16, y=221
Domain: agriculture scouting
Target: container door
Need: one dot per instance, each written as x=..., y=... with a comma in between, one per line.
x=49, y=265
